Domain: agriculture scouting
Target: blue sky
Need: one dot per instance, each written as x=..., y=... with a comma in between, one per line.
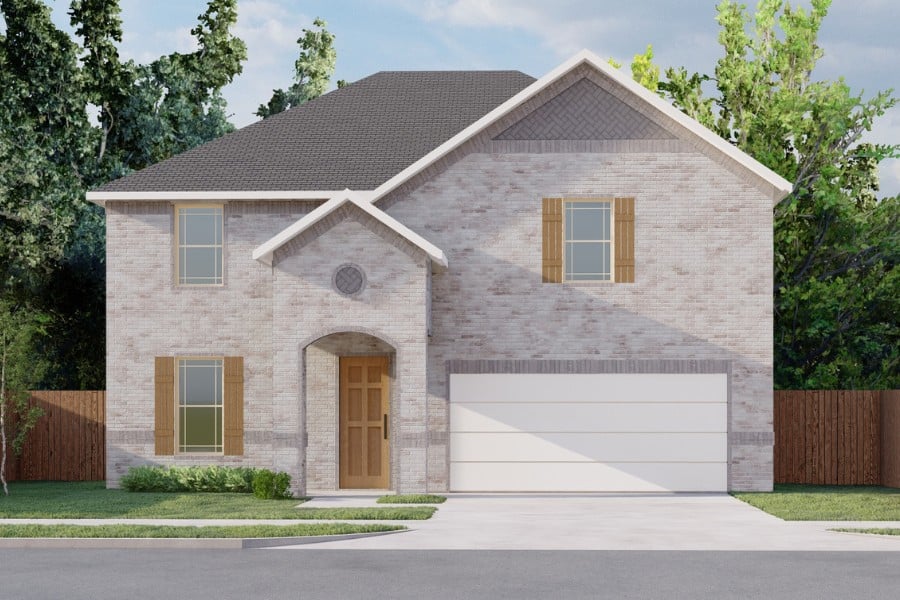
x=859, y=38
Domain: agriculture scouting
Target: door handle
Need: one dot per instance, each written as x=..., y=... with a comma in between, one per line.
x=385, y=427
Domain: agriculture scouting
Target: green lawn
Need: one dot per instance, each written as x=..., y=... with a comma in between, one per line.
x=412, y=499
x=91, y=499
x=154, y=531
x=793, y=502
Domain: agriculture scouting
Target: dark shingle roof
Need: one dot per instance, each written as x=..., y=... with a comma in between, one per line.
x=355, y=137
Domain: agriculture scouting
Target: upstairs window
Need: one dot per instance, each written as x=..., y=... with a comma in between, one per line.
x=587, y=239
x=587, y=228
x=199, y=233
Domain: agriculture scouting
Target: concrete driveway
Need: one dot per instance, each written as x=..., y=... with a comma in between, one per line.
x=607, y=522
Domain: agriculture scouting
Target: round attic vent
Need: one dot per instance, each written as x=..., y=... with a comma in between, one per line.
x=349, y=279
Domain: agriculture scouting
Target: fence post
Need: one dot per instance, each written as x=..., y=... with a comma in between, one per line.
x=890, y=438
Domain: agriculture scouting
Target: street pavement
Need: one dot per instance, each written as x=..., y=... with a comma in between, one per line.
x=29, y=574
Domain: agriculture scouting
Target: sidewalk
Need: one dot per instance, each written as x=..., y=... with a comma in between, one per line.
x=575, y=522
x=614, y=522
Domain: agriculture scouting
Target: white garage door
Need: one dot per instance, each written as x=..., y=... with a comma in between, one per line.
x=588, y=432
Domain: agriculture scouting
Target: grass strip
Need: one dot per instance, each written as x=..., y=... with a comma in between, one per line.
x=91, y=500
x=794, y=502
x=168, y=531
x=412, y=499
x=873, y=531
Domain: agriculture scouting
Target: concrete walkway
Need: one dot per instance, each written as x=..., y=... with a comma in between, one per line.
x=610, y=522
x=575, y=522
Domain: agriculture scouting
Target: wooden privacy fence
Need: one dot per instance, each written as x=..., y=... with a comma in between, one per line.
x=837, y=437
x=68, y=443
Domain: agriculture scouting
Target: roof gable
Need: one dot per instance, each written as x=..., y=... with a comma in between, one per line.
x=772, y=184
x=585, y=111
x=265, y=252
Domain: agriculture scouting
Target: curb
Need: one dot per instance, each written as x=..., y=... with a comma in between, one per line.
x=311, y=539
x=183, y=543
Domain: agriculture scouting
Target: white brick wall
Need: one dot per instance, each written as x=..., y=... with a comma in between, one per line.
x=703, y=276
x=148, y=316
x=703, y=290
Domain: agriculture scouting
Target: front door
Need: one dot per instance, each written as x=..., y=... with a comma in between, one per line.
x=365, y=448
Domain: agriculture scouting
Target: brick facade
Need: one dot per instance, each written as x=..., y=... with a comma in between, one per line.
x=702, y=292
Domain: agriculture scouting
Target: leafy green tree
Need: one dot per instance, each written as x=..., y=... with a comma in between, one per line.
x=175, y=102
x=43, y=127
x=20, y=368
x=837, y=293
x=644, y=71
x=312, y=72
x=52, y=150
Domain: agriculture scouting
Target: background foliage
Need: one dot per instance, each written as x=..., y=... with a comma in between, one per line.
x=73, y=116
x=837, y=291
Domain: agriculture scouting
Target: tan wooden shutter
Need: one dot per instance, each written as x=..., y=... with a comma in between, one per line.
x=552, y=265
x=624, y=223
x=234, y=406
x=164, y=386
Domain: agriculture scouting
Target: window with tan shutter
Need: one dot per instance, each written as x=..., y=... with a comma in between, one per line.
x=588, y=239
x=199, y=405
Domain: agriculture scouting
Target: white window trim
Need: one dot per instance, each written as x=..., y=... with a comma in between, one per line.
x=612, y=240
x=176, y=246
x=178, y=451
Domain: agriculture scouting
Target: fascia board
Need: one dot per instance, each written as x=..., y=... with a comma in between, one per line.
x=199, y=196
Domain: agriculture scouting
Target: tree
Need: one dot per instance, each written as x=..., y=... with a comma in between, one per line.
x=171, y=104
x=19, y=369
x=52, y=151
x=312, y=72
x=43, y=126
x=644, y=71
x=837, y=292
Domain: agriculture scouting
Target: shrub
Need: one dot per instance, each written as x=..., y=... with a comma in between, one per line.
x=210, y=478
x=148, y=479
x=268, y=484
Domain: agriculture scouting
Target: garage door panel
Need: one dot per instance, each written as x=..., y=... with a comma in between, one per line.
x=589, y=387
x=588, y=477
x=588, y=432
x=588, y=447
x=506, y=417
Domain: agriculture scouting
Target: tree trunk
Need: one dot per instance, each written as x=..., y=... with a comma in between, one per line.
x=3, y=421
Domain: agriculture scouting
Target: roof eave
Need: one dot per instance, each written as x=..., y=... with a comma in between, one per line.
x=100, y=198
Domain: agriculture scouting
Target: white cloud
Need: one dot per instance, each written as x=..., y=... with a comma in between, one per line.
x=268, y=28
x=887, y=131
x=270, y=31
x=563, y=28
x=890, y=178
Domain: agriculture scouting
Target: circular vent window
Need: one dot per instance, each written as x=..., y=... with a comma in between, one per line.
x=349, y=279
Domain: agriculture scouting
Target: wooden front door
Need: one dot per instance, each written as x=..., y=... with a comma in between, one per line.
x=364, y=404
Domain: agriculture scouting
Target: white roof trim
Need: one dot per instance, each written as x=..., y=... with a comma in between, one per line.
x=266, y=251
x=101, y=197
x=781, y=186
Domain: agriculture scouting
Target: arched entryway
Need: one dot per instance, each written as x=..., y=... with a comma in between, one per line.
x=350, y=387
